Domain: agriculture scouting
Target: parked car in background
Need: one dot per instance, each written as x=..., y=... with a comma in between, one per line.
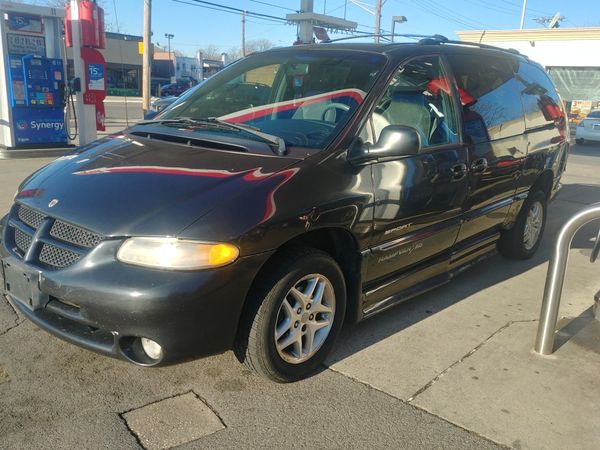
x=293, y=191
x=157, y=104
x=177, y=88
x=589, y=128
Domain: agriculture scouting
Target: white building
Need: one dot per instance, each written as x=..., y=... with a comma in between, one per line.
x=186, y=67
x=571, y=55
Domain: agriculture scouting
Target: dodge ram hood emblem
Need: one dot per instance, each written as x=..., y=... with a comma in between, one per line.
x=52, y=203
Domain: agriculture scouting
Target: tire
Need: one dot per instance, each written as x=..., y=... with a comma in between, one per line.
x=523, y=239
x=279, y=312
x=579, y=141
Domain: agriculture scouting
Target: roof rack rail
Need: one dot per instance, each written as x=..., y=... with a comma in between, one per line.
x=435, y=40
x=425, y=39
x=387, y=36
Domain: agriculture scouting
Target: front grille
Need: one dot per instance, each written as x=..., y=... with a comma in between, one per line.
x=58, y=257
x=23, y=240
x=74, y=235
x=64, y=244
x=30, y=217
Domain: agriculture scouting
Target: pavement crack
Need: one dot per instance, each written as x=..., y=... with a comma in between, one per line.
x=131, y=432
x=17, y=323
x=17, y=320
x=419, y=408
x=211, y=407
x=465, y=356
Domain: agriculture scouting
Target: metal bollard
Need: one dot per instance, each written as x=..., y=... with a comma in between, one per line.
x=544, y=342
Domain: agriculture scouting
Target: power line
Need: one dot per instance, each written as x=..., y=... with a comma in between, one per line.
x=435, y=5
x=230, y=9
x=519, y=7
x=492, y=7
x=274, y=6
x=431, y=9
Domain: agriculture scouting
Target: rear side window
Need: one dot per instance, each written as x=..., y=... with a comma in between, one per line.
x=540, y=101
x=490, y=96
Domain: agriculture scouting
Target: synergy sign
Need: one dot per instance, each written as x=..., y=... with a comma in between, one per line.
x=35, y=126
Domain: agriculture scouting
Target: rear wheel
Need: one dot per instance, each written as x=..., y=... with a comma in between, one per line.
x=293, y=317
x=523, y=239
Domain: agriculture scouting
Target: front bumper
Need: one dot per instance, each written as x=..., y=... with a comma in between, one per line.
x=104, y=305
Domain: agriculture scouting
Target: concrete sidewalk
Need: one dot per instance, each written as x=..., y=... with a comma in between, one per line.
x=464, y=351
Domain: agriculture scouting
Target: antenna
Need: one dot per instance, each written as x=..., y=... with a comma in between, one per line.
x=553, y=22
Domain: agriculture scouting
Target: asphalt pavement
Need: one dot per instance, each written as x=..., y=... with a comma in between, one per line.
x=450, y=369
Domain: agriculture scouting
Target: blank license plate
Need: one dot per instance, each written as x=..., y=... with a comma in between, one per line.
x=21, y=283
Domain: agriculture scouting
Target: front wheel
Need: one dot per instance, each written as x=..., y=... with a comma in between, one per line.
x=293, y=316
x=523, y=239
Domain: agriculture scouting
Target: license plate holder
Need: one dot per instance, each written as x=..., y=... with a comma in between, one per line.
x=22, y=284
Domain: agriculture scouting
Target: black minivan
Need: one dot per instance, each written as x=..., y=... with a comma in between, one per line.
x=296, y=189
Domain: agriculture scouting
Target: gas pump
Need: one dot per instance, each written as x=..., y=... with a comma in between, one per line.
x=32, y=74
x=32, y=77
x=36, y=96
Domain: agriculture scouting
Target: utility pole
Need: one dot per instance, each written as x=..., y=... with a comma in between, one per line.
x=523, y=14
x=243, y=33
x=305, y=27
x=146, y=71
x=377, y=21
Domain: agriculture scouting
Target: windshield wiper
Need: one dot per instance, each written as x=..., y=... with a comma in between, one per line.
x=269, y=138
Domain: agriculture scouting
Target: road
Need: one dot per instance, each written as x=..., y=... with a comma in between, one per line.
x=385, y=386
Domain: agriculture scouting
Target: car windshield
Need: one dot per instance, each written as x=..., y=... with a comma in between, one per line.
x=303, y=97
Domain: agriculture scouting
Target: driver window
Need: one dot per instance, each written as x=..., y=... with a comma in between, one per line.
x=419, y=96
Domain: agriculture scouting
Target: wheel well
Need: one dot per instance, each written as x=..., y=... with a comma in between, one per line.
x=341, y=245
x=544, y=183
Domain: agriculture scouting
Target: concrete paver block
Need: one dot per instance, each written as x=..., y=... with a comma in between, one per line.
x=173, y=421
x=507, y=393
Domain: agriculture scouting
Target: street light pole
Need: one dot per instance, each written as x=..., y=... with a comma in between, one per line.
x=397, y=19
x=170, y=36
x=523, y=14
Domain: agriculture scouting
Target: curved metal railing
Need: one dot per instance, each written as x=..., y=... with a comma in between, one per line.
x=544, y=343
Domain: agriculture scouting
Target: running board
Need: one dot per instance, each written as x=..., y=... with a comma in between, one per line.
x=460, y=261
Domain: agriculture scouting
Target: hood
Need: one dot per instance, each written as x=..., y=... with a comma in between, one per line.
x=121, y=185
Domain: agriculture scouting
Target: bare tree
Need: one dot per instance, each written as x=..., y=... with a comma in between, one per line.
x=211, y=51
x=252, y=46
x=258, y=45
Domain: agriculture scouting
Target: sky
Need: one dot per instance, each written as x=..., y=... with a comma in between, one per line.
x=197, y=27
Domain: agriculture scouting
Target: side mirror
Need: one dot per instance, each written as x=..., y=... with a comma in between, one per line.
x=395, y=141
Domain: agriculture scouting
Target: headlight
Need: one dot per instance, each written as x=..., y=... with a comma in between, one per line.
x=177, y=254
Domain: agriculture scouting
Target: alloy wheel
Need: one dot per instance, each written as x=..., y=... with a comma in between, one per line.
x=304, y=319
x=533, y=225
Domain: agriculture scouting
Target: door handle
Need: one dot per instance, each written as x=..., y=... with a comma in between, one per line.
x=479, y=165
x=459, y=171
